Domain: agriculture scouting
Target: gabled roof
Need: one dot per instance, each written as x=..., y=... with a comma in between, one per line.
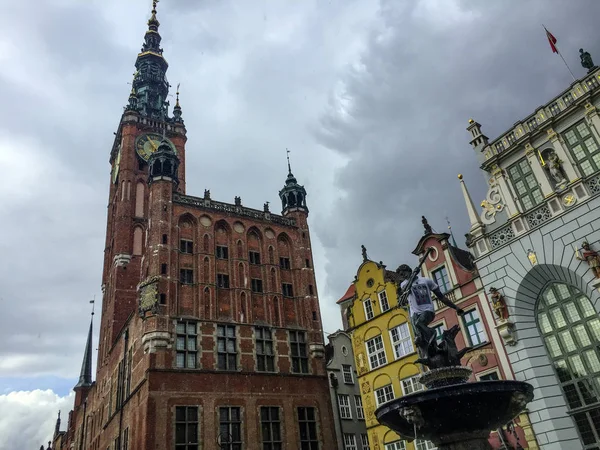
x=463, y=257
x=419, y=248
x=350, y=293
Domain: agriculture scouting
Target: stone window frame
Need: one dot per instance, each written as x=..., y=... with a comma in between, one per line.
x=360, y=410
x=516, y=175
x=447, y=285
x=384, y=303
x=386, y=393
x=226, y=338
x=272, y=425
x=230, y=424
x=187, y=422
x=189, y=333
x=466, y=324
x=399, y=336
x=256, y=285
x=222, y=252
x=260, y=337
x=350, y=441
x=186, y=246
x=347, y=372
x=287, y=289
x=298, y=351
x=344, y=406
x=313, y=436
x=592, y=158
x=364, y=441
x=377, y=350
x=369, y=312
x=254, y=257
x=186, y=276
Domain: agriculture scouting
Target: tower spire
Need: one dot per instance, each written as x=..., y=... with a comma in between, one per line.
x=473, y=216
x=151, y=83
x=288, y=160
x=85, y=376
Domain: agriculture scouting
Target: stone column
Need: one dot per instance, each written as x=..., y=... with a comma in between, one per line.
x=538, y=170
x=512, y=209
x=563, y=153
x=593, y=120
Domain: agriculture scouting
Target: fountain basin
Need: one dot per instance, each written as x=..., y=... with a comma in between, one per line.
x=456, y=413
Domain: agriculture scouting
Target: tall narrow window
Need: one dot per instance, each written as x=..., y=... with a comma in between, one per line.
x=383, y=301
x=344, y=405
x=360, y=412
x=254, y=257
x=257, y=285
x=137, y=241
x=347, y=371
x=368, y=309
x=271, y=428
x=265, y=357
x=584, y=148
x=230, y=428
x=139, y=199
x=271, y=256
x=223, y=280
x=186, y=345
x=376, y=352
x=186, y=428
x=384, y=394
x=226, y=347
x=349, y=441
x=186, y=276
x=364, y=440
x=240, y=249
x=441, y=279
x=222, y=252
x=126, y=439
x=284, y=263
x=287, y=290
x=401, y=341
x=307, y=423
x=474, y=328
x=298, y=352
x=186, y=246
x=526, y=186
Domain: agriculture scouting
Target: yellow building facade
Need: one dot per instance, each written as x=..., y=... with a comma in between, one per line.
x=384, y=350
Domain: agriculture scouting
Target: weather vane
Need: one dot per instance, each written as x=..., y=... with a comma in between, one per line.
x=93, y=302
x=288, y=160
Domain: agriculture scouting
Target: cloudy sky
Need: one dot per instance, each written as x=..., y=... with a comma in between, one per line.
x=371, y=97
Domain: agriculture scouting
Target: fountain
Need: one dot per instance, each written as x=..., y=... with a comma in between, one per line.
x=452, y=413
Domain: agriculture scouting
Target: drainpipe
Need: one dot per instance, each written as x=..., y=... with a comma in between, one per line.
x=335, y=383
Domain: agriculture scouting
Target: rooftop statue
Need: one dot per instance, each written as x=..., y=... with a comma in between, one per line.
x=586, y=60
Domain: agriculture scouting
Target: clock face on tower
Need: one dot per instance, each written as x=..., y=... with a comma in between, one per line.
x=148, y=143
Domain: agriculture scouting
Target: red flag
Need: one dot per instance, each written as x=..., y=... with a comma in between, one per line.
x=552, y=41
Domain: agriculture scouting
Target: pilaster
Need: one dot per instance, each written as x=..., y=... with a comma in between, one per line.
x=509, y=201
x=593, y=120
x=538, y=170
x=563, y=153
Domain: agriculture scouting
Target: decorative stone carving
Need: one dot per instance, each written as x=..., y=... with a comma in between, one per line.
x=148, y=296
x=554, y=167
x=156, y=340
x=506, y=330
x=502, y=236
x=539, y=216
x=499, y=304
x=586, y=60
x=317, y=350
x=492, y=204
x=122, y=259
x=364, y=252
x=532, y=257
x=590, y=256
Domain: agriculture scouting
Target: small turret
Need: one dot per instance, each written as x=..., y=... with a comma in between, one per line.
x=479, y=140
x=163, y=164
x=177, y=109
x=293, y=195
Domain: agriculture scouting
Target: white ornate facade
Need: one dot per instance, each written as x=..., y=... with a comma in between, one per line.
x=543, y=202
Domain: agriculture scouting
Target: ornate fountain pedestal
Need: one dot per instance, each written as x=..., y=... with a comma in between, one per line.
x=454, y=414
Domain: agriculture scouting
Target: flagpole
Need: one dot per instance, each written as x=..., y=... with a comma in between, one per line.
x=559, y=53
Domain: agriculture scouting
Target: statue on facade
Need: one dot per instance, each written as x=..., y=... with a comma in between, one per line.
x=428, y=229
x=499, y=304
x=364, y=252
x=555, y=168
x=586, y=60
x=238, y=201
x=591, y=256
x=415, y=291
x=206, y=194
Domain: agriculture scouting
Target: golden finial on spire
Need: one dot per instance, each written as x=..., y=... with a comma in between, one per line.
x=154, y=2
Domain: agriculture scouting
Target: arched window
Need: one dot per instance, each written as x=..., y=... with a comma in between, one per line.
x=276, y=318
x=206, y=243
x=137, y=241
x=241, y=275
x=206, y=270
x=570, y=327
x=240, y=249
x=206, y=303
x=139, y=200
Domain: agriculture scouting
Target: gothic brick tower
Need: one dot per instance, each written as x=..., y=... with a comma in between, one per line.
x=210, y=333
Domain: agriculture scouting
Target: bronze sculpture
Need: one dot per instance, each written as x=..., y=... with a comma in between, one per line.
x=586, y=60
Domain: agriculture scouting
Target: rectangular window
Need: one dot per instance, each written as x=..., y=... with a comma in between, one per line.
x=256, y=285
x=364, y=440
x=421, y=444
x=226, y=347
x=384, y=394
x=271, y=428
x=525, y=184
x=396, y=445
x=230, y=425
x=360, y=412
x=186, y=428
x=222, y=252
x=344, y=405
x=474, y=328
x=439, y=330
x=126, y=439
x=307, y=263
x=369, y=309
x=186, y=276
x=287, y=290
x=223, y=280
x=584, y=148
x=441, y=278
x=265, y=356
x=349, y=441
x=401, y=341
x=186, y=345
x=383, y=301
x=311, y=291
x=186, y=246
x=376, y=352
x=254, y=257
x=347, y=371
x=163, y=269
x=284, y=263
x=410, y=385
x=298, y=352
x=307, y=423
x=489, y=376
